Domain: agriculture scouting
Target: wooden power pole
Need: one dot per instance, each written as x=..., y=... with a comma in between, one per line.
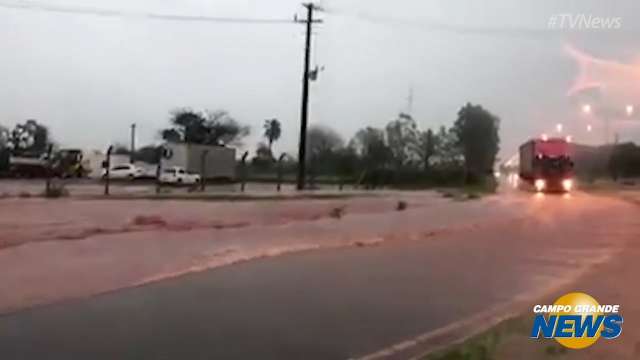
x=304, y=114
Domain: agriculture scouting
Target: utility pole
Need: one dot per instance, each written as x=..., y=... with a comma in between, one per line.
x=107, y=167
x=304, y=114
x=133, y=143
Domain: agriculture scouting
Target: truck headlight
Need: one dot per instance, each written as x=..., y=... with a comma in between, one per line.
x=567, y=184
x=539, y=184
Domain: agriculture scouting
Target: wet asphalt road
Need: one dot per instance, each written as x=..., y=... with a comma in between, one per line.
x=326, y=304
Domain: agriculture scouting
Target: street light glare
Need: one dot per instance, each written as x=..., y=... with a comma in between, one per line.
x=629, y=110
x=586, y=108
x=589, y=128
x=559, y=128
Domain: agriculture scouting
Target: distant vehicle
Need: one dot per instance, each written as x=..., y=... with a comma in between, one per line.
x=148, y=171
x=124, y=172
x=546, y=164
x=63, y=163
x=178, y=176
x=68, y=163
x=29, y=166
x=211, y=162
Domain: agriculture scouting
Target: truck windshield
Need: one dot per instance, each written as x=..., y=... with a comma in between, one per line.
x=555, y=165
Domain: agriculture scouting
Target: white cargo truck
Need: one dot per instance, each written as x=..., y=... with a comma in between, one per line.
x=219, y=162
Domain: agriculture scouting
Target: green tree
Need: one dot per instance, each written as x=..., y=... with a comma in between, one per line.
x=263, y=158
x=476, y=130
x=208, y=128
x=322, y=140
x=4, y=137
x=189, y=125
x=427, y=147
x=346, y=164
x=323, y=143
x=371, y=146
x=5, y=152
x=30, y=138
x=171, y=135
x=447, y=153
x=224, y=129
x=147, y=154
x=403, y=139
x=272, y=131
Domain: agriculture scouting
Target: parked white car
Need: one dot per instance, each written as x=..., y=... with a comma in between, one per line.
x=177, y=175
x=124, y=171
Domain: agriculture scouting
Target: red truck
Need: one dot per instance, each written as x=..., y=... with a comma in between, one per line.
x=546, y=164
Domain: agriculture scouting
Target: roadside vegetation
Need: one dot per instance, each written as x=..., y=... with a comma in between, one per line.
x=399, y=155
x=506, y=341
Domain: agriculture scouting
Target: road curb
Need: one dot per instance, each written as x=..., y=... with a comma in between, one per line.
x=458, y=332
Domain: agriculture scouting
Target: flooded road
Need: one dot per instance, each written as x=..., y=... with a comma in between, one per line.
x=436, y=265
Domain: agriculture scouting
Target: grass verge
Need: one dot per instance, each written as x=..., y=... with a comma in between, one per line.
x=485, y=345
x=506, y=341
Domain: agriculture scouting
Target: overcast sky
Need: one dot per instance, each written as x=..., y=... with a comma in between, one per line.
x=88, y=77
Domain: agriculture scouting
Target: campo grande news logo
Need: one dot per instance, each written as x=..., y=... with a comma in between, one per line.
x=577, y=321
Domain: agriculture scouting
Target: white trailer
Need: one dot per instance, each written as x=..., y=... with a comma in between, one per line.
x=219, y=162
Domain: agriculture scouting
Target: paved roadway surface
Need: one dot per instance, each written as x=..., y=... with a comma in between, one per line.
x=332, y=303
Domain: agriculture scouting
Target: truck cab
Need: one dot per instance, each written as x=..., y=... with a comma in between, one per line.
x=546, y=163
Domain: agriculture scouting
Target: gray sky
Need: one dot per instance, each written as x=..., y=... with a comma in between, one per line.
x=88, y=77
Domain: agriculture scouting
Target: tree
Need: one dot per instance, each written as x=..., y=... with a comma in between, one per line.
x=189, y=125
x=369, y=143
x=624, y=161
x=272, y=131
x=346, y=163
x=323, y=139
x=447, y=153
x=403, y=139
x=263, y=158
x=121, y=149
x=209, y=128
x=224, y=129
x=171, y=135
x=476, y=130
x=427, y=147
x=5, y=152
x=4, y=137
x=322, y=145
x=147, y=154
x=29, y=138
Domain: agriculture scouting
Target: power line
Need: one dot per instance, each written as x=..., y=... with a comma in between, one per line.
x=83, y=10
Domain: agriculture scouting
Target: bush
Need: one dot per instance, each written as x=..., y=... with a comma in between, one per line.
x=56, y=191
